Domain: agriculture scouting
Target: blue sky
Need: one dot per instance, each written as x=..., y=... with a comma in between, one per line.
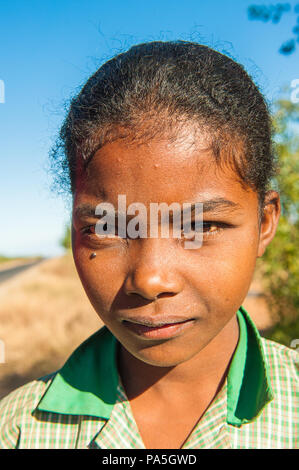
x=48, y=48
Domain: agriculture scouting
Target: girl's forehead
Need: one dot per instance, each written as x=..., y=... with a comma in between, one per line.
x=158, y=170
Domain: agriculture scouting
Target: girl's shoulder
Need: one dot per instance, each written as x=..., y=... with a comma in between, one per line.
x=282, y=363
x=274, y=349
x=21, y=401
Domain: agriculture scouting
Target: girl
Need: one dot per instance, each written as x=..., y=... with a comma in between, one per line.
x=179, y=363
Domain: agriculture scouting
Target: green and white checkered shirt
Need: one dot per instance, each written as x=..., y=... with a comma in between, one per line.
x=84, y=405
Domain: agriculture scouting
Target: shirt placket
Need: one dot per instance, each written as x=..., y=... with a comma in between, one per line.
x=120, y=431
x=211, y=432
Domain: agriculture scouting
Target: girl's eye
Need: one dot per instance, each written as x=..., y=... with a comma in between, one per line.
x=91, y=234
x=90, y=229
x=208, y=229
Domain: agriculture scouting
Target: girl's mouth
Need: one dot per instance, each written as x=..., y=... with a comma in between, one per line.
x=158, y=331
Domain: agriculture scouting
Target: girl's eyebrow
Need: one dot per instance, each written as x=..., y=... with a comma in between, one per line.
x=87, y=210
x=220, y=203
x=211, y=205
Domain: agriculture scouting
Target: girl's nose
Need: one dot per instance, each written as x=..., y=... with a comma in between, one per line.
x=153, y=272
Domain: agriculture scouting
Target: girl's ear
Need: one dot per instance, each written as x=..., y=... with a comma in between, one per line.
x=269, y=222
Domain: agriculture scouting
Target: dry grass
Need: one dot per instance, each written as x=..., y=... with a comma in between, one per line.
x=45, y=315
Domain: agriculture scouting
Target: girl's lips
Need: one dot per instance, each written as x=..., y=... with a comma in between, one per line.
x=158, y=332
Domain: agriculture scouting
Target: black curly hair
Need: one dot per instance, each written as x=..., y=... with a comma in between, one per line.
x=162, y=84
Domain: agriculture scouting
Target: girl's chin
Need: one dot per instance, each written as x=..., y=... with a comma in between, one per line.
x=164, y=354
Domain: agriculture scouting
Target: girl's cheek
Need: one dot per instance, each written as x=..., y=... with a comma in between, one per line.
x=99, y=288
x=101, y=277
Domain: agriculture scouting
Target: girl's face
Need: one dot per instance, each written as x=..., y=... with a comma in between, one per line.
x=138, y=285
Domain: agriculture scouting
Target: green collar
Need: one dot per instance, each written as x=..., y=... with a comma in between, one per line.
x=248, y=380
x=87, y=383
